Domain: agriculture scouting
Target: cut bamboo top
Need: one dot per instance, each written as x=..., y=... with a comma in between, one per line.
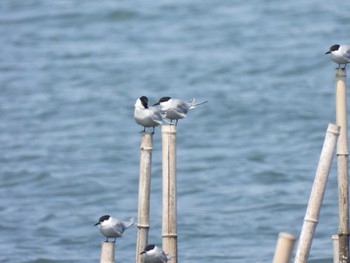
x=340, y=73
x=171, y=129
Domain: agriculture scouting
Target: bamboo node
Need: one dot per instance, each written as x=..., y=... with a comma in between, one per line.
x=334, y=129
x=343, y=234
x=311, y=220
x=168, y=132
x=169, y=235
x=343, y=154
x=143, y=226
x=143, y=148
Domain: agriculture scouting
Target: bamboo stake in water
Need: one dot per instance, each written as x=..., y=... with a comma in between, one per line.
x=342, y=157
x=284, y=248
x=335, y=248
x=317, y=193
x=144, y=193
x=107, y=252
x=169, y=235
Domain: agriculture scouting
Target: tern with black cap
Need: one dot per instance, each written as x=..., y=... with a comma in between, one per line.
x=175, y=109
x=340, y=54
x=111, y=227
x=147, y=116
x=154, y=254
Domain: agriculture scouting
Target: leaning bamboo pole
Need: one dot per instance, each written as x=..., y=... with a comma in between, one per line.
x=144, y=193
x=107, y=252
x=169, y=225
x=317, y=193
x=284, y=248
x=342, y=158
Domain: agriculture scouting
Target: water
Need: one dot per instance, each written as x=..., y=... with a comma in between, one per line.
x=70, y=74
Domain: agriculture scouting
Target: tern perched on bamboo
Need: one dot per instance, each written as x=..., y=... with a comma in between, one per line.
x=111, y=227
x=176, y=109
x=153, y=254
x=340, y=54
x=145, y=115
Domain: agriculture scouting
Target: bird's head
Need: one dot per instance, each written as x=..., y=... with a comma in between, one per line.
x=102, y=219
x=148, y=248
x=162, y=99
x=333, y=48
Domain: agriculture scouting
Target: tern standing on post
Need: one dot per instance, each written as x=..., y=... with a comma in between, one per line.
x=176, y=109
x=111, y=227
x=340, y=54
x=148, y=117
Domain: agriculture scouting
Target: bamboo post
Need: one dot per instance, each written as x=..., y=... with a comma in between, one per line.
x=169, y=235
x=284, y=248
x=317, y=193
x=342, y=158
x=144, y=193
x=107, y=252
x=335, y=248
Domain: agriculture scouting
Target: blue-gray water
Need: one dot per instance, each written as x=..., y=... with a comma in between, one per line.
x=70, y=72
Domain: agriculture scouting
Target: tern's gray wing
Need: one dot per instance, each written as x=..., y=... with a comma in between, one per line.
x=183, y=108
x=164, y=257
x=120, y=226
x=156, y=115
x=347, y=52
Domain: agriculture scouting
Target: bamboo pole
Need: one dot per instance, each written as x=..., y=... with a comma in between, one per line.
x=284, y=248
x=317, y=193
x=342, y=158
x=335, y=248
x=144, y=193
x=107, y=252
x=169, y=235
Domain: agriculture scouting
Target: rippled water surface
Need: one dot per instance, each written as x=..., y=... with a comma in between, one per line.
x=70, y=73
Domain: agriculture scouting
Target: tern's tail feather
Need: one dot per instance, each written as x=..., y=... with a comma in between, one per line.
x=129, y=223
x=193, y=103
x=169, y=257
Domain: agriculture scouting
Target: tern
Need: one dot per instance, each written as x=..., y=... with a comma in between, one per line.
x=175, y=109
x=147, y=116
x=153, y=254
x=340, y=54
x=111, y=227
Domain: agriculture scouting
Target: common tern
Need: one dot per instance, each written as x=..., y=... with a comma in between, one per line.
x=175, y=109
x=153, y=254
x=340, y=54
x=147, y=116
x=111, y=227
